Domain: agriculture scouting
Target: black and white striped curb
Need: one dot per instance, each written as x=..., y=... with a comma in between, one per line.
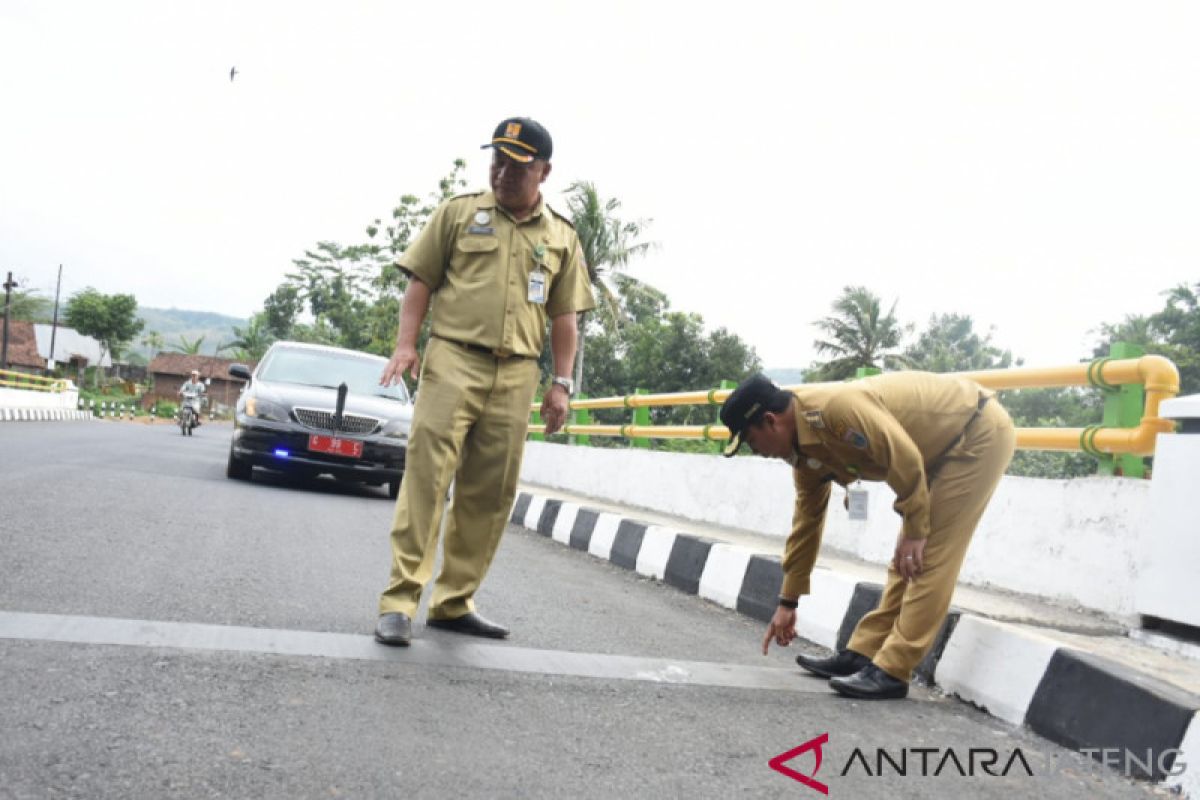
x=38, y=414
x=1073, y=698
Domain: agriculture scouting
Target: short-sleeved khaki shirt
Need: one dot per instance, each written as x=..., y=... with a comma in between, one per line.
x=479, y=263
x=884, y=428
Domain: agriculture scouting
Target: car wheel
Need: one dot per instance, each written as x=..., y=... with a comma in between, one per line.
x=237, y=469
x=394, y=488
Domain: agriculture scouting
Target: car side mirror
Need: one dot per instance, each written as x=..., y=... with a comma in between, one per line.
x=240, y=371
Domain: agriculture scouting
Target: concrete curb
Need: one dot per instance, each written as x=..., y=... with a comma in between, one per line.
x=42, y=414
x=1070, y=697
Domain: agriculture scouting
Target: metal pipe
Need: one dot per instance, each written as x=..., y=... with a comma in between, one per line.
x=1157, y=374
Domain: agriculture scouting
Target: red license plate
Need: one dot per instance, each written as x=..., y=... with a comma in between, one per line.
x=352, y=448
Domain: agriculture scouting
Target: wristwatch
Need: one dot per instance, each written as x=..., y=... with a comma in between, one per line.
x=566, y=383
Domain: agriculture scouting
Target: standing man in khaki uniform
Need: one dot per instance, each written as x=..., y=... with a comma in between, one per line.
x=497, y=267
x=940, y=442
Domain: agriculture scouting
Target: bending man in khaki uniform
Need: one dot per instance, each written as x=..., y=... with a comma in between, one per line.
x=940, y=442
x=497, y=267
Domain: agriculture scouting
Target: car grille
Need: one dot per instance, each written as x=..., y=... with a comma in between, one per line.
x=322, y=420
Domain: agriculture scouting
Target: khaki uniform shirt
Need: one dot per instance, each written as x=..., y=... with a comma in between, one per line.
x=479, y=261
x=883, y=428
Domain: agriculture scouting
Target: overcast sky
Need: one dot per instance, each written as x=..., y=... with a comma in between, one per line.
x=1033, y=164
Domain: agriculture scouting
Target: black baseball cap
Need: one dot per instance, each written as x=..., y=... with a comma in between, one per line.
x=521, y=139
x=746, y=405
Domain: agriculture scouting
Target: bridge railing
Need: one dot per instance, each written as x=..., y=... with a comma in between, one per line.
x=1128, y=429
x=10, y=379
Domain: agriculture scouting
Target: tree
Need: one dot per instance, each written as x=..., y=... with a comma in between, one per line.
x=153, y=341
x=338, y=285
x=661, y=351
x=31, y=306
x=190, y=347
x=1173, y=332
x=353, y=292
x=858, y=335
x=110, y=319
x=1052, y=408
x=280, y=310
x=251, y=342
x=608, y=244
x=950, y=344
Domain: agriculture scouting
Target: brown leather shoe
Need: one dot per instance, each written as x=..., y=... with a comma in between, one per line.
x=471, y=624
x=394, y=629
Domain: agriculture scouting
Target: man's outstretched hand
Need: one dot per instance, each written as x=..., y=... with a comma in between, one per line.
x=782, y=628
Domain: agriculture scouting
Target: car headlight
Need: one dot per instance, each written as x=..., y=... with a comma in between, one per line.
x=397, y=429
x=265, y=409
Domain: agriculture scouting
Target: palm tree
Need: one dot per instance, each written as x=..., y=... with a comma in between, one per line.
x=858, y=335
x=608, y=244
x=191, y=348
x=251, y=342
x=154, y=342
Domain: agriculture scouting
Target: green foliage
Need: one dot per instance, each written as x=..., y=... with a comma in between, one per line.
x=280, y=310
x=249, y=343
x=338, y=285
x=350, y=293
x=857, y=335
x=166, y=325
x=608, y=241
x=110, y=319
x=30, y=306
x=1053, y=408
x=608, y=244
x=1173, y=332
x=950, y=344
x=660, y=351
x=189, y=346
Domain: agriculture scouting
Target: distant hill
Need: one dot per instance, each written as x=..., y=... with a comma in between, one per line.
x=786, y=376
x=172, y=323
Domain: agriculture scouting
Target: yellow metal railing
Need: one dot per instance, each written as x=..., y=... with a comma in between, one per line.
x=1157, y=374
x=36, y=383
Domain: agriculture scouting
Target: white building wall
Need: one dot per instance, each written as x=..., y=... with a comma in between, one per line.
x=1073, y=541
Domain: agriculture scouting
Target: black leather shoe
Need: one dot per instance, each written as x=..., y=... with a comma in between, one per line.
x=471, y=624
x=846, y=662
x=394, y=628
x=870, y=683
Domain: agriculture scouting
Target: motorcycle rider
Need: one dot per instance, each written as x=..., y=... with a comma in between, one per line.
x=192, y=392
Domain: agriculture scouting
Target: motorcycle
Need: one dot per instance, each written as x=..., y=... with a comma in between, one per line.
x=189, y=412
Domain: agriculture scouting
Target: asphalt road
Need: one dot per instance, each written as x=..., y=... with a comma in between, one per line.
x=168, y=633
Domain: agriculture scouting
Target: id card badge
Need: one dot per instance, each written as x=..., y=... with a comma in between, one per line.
x=537, y=286
x=857, y=498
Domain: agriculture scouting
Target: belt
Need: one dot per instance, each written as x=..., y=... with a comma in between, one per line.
x=478, y=348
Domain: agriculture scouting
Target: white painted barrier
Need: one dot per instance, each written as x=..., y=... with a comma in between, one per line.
x=1077, y=542
x=25, y=398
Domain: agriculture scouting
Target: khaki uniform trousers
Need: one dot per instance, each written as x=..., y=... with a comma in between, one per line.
x=469, y=424
x=897, y=635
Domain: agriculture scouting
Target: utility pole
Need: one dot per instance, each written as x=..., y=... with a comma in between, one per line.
x=54, y=325
x=9, y=285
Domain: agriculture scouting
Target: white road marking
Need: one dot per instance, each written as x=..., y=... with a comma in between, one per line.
x=434, y=651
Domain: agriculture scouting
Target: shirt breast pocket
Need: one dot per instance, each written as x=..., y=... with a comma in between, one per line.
x=474, y=258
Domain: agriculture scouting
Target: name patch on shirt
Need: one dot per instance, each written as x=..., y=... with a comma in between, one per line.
x=481, y=229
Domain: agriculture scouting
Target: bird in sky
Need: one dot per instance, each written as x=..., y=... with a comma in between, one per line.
x=232, y=72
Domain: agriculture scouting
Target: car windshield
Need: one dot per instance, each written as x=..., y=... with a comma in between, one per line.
x=360, y=373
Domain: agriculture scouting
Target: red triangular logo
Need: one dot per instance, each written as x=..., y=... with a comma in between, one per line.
x=778, y=763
